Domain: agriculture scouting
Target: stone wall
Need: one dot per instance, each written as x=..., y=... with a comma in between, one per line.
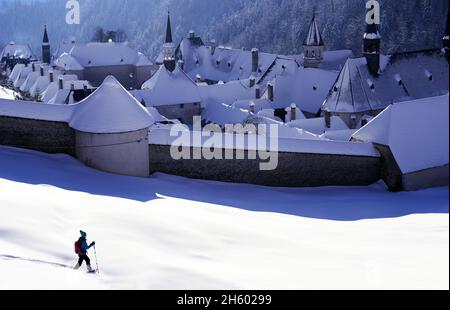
x=121, y=153
x=38, y=135
x=294, y=169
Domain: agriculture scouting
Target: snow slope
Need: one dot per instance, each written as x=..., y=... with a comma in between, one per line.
x=167, y=232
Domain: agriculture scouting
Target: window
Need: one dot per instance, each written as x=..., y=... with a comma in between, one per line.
x=181, y=106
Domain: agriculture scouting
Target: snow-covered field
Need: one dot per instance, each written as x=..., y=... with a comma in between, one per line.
x=167, y=232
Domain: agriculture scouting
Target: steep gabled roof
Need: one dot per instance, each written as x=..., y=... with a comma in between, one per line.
x=168, y=88
x=403, y=77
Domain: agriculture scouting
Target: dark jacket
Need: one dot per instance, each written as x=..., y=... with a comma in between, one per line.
x=84, y=246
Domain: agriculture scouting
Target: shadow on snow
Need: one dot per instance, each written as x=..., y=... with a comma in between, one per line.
x=330, y=203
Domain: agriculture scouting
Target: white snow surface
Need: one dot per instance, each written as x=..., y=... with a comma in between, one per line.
x=167, y=232
x=417, y=132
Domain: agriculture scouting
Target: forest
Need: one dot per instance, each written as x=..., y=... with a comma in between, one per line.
x=277, y=26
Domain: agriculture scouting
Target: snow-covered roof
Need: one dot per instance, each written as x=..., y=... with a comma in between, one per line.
x=314, y=37
x=100, y=54
x=417, y=132
x=35, y=110
x=222, y=63
x=16, y=71
x=30, y=80
x=307, y=88
x=22, y=51
x=339, y=135
x=222, y=114
x=21, y=76
x=404, y=77
x=226, y=93
x=259, y=104
x=110, y=109
x=68, y=62
x=318, y=125
x=53, y=87
x=168, y=88
x=332, y=60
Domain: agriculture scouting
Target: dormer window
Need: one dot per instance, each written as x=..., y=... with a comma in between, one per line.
x=217, y=62
x=429, y=75
x=121, y=60
x=89, y=62
x=229, y=65
x=314, y=88
x=335, y=89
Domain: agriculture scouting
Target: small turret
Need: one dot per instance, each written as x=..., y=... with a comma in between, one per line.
x=169, y=47
x=313, y=46
x=372, y=38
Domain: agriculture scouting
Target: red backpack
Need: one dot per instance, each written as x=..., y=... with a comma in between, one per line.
x=78, y=247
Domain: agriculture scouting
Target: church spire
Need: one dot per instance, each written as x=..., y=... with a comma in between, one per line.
x=46, y=57
x=168, y=47
x=168, y=29
x=45, y=39
x=313, y=45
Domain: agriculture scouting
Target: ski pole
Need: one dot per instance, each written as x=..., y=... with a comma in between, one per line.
x=96, y=261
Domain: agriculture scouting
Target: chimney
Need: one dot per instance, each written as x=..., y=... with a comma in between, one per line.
x=257, y=92
x=213, y=46
x=72, y=86
x=85, y=90
x=328, y=119
x=41, y=70
x=198, y=78
x=26, y=64
x=33, y=67
x=270, y=91
x=61, y=82
x=191, y=34
x=252, y=107
x=50, y=76
x=293, y=112
x=252, y=81
x=181, y=64
x=255, y=59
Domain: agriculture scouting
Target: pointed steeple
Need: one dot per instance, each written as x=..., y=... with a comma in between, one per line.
x=313, y=46
x=168, y=29
x=46, y=57
x=314, y=37
x=168, y=51
x=45, y=39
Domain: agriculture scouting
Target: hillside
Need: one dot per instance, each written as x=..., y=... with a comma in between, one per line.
x=271, y=25
x=167, y=232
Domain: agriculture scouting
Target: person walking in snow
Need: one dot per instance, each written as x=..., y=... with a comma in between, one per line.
x=81, y=248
